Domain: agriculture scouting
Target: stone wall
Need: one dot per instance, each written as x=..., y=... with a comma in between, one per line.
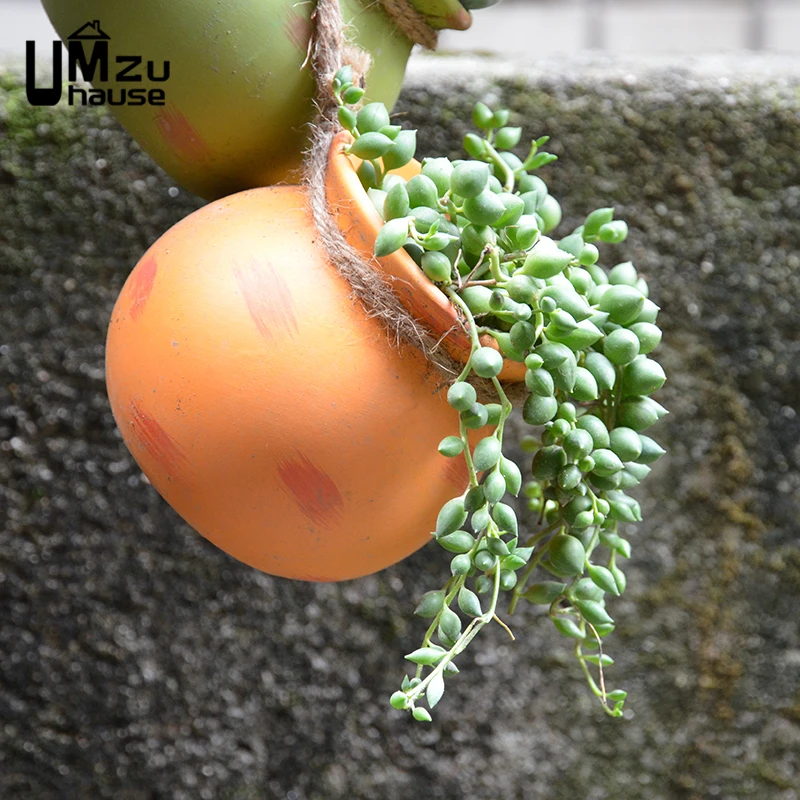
x=138, y=662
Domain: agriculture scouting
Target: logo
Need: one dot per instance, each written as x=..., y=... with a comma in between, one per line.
x=87, y=48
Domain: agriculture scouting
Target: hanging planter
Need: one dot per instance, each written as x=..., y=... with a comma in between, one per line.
x=319, y=378
x=266, y=405
x=239, y=88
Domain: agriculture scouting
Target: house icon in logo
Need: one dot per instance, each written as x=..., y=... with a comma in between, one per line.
x=90, y=30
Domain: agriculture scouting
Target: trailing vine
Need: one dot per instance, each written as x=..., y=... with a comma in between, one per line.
x=479, y=229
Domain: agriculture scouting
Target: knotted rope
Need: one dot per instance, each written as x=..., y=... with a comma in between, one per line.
x=329, y=52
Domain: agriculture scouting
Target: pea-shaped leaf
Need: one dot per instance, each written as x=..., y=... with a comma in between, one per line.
x=475, y=238
x=486, y=362
x=422, y=192
x=482, y=116
x=469, y=178
x=578, y=443
x=569, y=477
x=437, y=266
x=589, y=255
x=613, y=232
x=450, y=624
x=485, y=209
x=593, y=612
x=521, y=288
x=396, y=204
x=540, y=382
x=367, y=175
x=547, y=462
x=430, y=604
x=621, y=346
x=583, y=336
x=439, y=171
x=485, y=560
x=494, y=487
x=565, y=375
x=474, y=145
x=604, y=579
x=624, y=273
x=596, y=428
x=451, y=446
x=399, y=700
x=553, y=355
x=462, y=396
x=623, y=304
x=497, y=547
x=545, y=260
x=549, y=209
x=606, y=462
x=567, y=626
x=372, y=117
x=619, y=578
x=585, y=389
x=642, y=377
x=595, y=221
x=626, y=443
x=461, y=564
x=575, y=507
x=505, y=517
x=602, y=369
x=392, y=131
x=649, y=336
x=435, y=690
x=469, y=603
x=538, y=410
x=514, y=209
x=475, y=417
x=370, y=146
x=640, y=413
x=401, y=151
x=512, y=474
x=427, y=656
x=566, y=556
x=391, y=237
x=587, y=589
x=457, y=542
x=347, y=118
x=480, y=520
x=451, y=517
x=526, y=232
x=506, y=138
x=651, y=450
x=544, y=593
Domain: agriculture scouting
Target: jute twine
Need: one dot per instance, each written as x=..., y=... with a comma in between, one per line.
x=330, y=51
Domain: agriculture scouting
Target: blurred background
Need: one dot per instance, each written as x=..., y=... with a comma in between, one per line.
x=621, y=26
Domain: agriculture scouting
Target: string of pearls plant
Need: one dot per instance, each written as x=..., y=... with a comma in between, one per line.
x=479, y=229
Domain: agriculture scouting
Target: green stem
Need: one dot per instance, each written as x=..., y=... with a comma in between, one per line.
x=508, y=173
x=471, y=324
x=532, y=564
x=460, y=645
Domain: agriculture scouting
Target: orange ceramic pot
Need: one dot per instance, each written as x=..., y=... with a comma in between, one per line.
x=265, y=405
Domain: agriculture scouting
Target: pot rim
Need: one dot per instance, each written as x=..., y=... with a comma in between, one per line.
x=359, y=222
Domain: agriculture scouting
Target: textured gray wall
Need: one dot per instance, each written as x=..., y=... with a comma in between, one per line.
x=137, y=662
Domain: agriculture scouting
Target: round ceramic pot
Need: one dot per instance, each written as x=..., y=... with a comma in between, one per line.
x=264, y=403
x=233, y=112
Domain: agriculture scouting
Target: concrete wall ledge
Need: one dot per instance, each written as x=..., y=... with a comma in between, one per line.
x=136, y=661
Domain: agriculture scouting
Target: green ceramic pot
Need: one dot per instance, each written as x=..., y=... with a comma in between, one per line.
x=234, y=111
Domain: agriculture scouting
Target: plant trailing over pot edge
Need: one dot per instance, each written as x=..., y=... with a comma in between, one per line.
x=478, y=230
